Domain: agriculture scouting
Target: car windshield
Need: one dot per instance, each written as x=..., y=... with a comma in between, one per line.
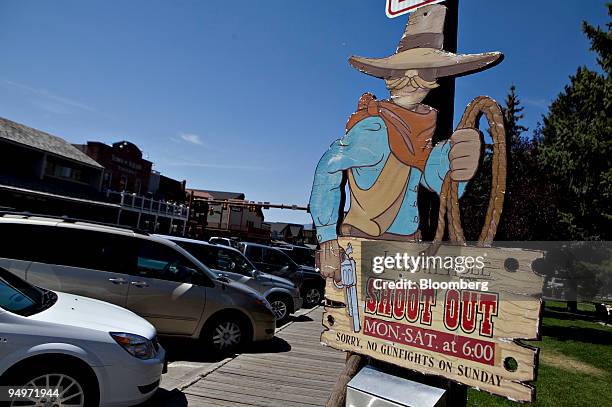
x=225, y=242
x=279, y=258
x=216, y=240
x=219, y=258
x=234, y=262
x=305, y=257
x=20, y=297
x=200, y=265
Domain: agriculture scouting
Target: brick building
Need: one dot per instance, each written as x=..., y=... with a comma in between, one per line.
x=148, y=199
x=124, y=168
x=225, y=214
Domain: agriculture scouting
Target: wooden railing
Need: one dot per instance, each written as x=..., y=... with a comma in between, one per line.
x=139, y=203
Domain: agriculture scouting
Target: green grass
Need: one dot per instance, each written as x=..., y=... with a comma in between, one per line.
x=574, y=337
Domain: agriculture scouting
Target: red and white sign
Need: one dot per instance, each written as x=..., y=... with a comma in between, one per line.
x=396, y=8
x=432, y=321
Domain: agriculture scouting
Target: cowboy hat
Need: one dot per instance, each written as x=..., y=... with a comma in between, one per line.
x=421, y=48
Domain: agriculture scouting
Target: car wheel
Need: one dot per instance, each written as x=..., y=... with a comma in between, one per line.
x=226, y=333
x=281, y=307
x=312, y=296
x=75, y=390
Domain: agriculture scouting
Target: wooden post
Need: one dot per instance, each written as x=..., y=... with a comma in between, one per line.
x=456, y=395
x=442, y=99
x=354, y=362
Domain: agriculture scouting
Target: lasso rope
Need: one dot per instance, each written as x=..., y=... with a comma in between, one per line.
x=449, y=197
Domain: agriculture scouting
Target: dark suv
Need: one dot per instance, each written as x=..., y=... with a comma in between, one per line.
x=302, y=255
x=272, y=260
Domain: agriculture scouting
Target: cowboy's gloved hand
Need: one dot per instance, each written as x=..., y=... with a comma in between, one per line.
x=328, y=259
x=464, y=154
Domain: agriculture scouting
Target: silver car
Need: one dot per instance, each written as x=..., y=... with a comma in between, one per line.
x=152, y=277
x=281, y=293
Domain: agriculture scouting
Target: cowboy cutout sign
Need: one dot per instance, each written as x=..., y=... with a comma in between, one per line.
x=387, y=151
x=384, y=157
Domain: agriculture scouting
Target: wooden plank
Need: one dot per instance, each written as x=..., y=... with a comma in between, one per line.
x=268, y=392
x=201, y=401
x=309, y=384
x=332, y=363
x=239, y=399
x=271, y=386
x=290, y=362
x=286, y=378
x=302, y=376
x=296, y=372
x=314, y=357
x=316, y=384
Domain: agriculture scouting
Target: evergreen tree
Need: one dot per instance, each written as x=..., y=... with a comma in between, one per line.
x=559, y=181
x=576, y=157
x=512, y=115
x=526, y=208
x=576, y=151
x=522, y=216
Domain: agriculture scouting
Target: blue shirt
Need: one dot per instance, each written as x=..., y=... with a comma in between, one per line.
x=364, y=150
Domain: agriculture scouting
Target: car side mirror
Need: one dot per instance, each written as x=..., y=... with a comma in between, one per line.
x=223, y=278
x=256, y=273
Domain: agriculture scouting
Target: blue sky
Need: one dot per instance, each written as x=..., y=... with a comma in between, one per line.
x=247, y=98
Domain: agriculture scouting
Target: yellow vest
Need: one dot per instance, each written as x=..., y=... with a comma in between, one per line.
x=373, y=210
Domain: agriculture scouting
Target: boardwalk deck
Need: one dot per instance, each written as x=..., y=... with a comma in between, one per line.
x=301, y=372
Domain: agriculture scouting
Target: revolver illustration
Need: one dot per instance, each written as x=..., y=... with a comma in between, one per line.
x=348, y=269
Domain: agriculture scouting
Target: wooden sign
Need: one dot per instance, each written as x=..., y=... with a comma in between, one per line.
x=460, y=324
x=459, y=331
x=396, y=8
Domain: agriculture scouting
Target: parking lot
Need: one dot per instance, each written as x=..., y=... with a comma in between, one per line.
x=122, y=291
x=293, y=369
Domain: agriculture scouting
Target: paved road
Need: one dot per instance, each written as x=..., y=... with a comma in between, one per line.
x=294, y=369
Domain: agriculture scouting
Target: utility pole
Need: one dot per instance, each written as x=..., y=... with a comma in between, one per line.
x=443, y=100
x=443, y=97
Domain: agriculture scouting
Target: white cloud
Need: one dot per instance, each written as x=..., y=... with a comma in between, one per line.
x=192, y=138
x=216, y=166
x=54, y=103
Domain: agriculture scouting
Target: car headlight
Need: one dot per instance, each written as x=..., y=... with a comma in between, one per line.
x=136, y=345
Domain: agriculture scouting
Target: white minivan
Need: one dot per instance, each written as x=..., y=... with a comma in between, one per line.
x=73, y=350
